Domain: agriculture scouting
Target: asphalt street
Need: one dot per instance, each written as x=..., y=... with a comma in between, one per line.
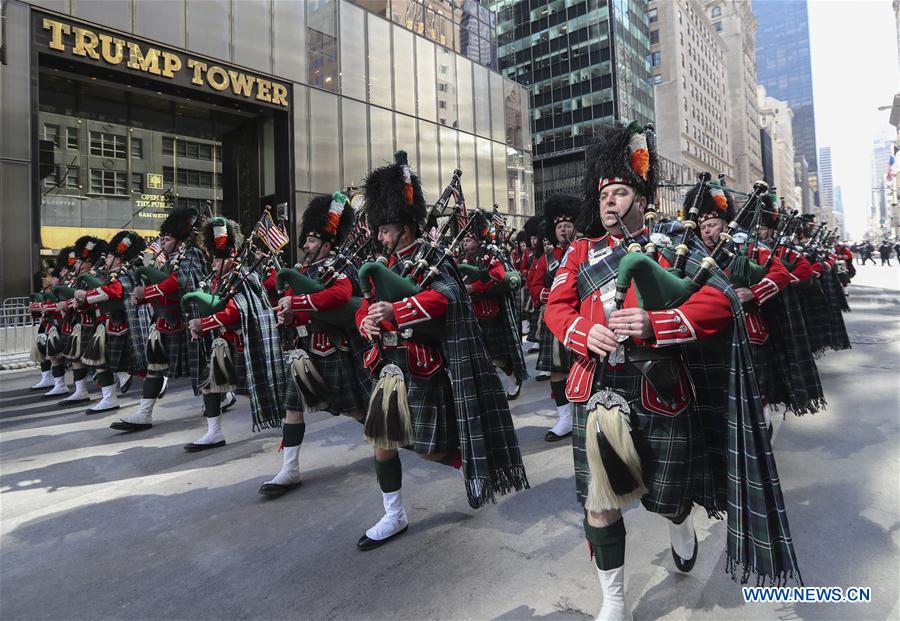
x=96, y=524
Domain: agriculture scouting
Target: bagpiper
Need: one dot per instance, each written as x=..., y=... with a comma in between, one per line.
x=244, y=355
x=116, y=349
x=325, y=364
x=531, y=309
x=170, y=352
x=640, y=433
x=559, y=216
x=423, y=336
x=492, y=299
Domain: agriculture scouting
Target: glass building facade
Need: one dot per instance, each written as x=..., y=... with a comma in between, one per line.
x=783, y=66
x=141, y=105
x=585, y=63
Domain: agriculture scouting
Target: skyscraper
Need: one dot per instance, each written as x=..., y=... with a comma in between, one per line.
x=585, y=63
x=826, y=192
x=783, y=66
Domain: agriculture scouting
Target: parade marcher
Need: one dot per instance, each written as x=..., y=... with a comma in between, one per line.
x=465, y=424
x=532, y=311
x=59, y=326
x=867, y=250
x=496, y=316
x=170, y=353
x=245, y=355
x=884, y=252
x=334, y=352
x=90, y=252
x=44, y=311
x=116, y=350
x=560, y=212
x=680, y=440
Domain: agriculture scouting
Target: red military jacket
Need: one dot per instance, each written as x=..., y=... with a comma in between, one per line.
x=166, y=295
x=571, y=318
x=105, y=293
x=227, y=321
x=537, y=277
x=776, y=279
x=305, y=305
x=271, y=286
x=424, y=360
x=802, y=270
x=487, y=307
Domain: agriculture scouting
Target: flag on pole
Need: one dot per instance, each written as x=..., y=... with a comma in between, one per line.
x=271, y=234
x=499, y=220
x=893, y=167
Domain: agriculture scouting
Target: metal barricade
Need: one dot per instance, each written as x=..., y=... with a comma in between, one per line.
x=17, y=331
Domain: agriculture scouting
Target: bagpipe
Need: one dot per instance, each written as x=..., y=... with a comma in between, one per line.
x=347, y=254
x=151, y=274
x=492, y=253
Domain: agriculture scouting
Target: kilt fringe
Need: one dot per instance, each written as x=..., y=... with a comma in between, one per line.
x=614, y=463
x=74, y=350
x=39, y=349
x=54, y=343
x=389, y=422
x=310, y=384
x=501, y=482
x=222, y=376
x=95, y=353
x=157, y=360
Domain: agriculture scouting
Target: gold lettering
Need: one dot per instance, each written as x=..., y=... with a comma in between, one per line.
x=106, y=48
x=171, y=64
x=217, y=78
x=241, y=84
x=86, y=43
x=144, y=62
x=56, y=32
x=279, y=94
x=197, y=66
x=262, y=90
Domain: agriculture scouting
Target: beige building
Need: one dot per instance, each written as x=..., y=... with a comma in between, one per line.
x=688, y=61
x=775, y=117
x=736, y=25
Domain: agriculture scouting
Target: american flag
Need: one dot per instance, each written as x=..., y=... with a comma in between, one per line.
x=463, y=215
x=271, y=234
x=155, y=247
x=499, y=220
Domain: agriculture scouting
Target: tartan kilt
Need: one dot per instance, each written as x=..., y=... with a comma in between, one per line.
x=240, y=369
x=87, y=333
x=817, y=315
x=118, y=352
x=672, y=450
x=430, y=407
x=176, y=348
x=762, y=366
x=495, y=339
x=338, y=370
x=553, y=357
x=535, y=320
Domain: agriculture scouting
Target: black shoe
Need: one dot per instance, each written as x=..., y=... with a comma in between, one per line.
x=196, y=448
x=365, y=544
x=686, y=565
x=89, y=411
x=127, y=385
x=515, y=395
x=541, y=377
x=228, y=404
x=124, y=425
x=64, y=403
x=274, y=490
x=552, y=437
x=165, y=387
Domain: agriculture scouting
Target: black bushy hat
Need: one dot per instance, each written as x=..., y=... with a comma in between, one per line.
x=65, y=259
x=89, y=248
x=770, y=212
x=126, y=245
x=179, y=222
x=620, y=154
x=714, y=203
x=558, y=208
x=222, y=237
x=394, y=195
x=329, y=218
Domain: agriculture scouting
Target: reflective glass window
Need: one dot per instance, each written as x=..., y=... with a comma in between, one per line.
x=404, y=71
x=355, y=141
x=482, y=92
x=405, y=128
x=381, y=136
x=353, y=51
x=485, y=173
x=321, y=43
x=447, y=113
x=301, y=136
x=468, y=164
x=466, y=106
x=324, y=142
x=289, y=39
x=426, y=82
x=501, y=196
x=429, y=170
x=379, y=62
x=498, y=125
x=449, y=161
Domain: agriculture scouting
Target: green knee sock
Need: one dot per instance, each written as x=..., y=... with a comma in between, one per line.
x=212, y=404
x=45, y=366
x=390, y=474
x=105, y=378
x=608, y=544
x=152, y=387
x=79, y=374
x=58, y=370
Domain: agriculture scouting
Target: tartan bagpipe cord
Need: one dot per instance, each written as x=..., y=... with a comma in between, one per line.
x=759, y=539
x=491, y=461
x=512, y=329
x=263, y=355
x=138, y=317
